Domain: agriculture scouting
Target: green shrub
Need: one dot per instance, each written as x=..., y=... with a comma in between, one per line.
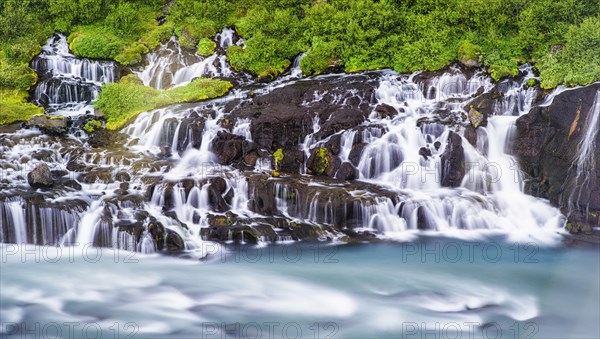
x=206, y=47
x=123, y=101
x=96, y=43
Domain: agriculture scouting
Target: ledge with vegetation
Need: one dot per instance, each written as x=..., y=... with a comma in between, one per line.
x=562, y=37
x=121, y=102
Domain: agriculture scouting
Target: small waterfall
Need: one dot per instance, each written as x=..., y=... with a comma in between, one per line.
x=171, y=65
x=586, y=161
x=68, y=84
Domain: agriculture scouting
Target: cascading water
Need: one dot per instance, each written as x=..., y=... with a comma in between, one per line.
x=172, y=65
x=68, y=85
x=585, y=163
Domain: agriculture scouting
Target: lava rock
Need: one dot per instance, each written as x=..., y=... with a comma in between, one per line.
x=453, y=161
x=40, y=177
x=346, y=172
x=386, y=111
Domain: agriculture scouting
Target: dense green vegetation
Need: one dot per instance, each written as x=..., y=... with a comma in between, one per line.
x=561, y=36
x=14, y=106
x=121, y=102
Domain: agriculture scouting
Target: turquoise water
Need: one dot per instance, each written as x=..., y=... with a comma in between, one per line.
x=434, y=288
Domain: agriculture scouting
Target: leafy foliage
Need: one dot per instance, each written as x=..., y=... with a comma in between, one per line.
x=14, y=106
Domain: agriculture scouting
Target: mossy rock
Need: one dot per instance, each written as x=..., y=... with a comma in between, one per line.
x=206, y=47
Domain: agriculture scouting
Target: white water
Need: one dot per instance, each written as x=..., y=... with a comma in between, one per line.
x=170, y=65
x=69, y=84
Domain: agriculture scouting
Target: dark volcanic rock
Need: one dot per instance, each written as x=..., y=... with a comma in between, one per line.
x=284, y=116
x=40, y=177
x=548, y=147
x=453, y=162
x=227, y=147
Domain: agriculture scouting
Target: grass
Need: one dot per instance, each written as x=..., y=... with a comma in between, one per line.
x=122, y=102
x=14, y=107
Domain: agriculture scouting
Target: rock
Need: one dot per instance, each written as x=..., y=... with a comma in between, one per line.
x=285, y=116
x=471, y=135
x=453, y=161
x=122, y=176
x=293, y=158
x=123, y=189
x=386, y=111
x=477, y=118
x=547, y=145
x=190, y=132
x=50, y=124
x=346, y=172
x=40, y=177
x=322, y=162
x=216, y=192
x=334, y=144
x=425, y=152
x=227, y=147
x=103, y=138
x=356, y=153
x=174, y=242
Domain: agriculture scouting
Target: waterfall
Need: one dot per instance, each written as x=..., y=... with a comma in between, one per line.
x=586, y=161
x=171, y=65
x=68, y=84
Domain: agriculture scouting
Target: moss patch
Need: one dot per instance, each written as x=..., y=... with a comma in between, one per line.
x=14, y=107
x=121, y=102
x=206, y=47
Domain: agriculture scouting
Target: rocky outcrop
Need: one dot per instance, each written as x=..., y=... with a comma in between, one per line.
x=55, y=125
x=453, y=161
x=548, y=145
x=284, y=116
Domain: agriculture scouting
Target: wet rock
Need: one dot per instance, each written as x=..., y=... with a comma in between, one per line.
x=322, y=162
x=40, y=177
x=227, y=147
x=386, y=111
x=103, y=138
x=174, y=242
x=293, y=158
x=547, y=146
x=471, y=135
x=216, y=192
x=284, y=116
x=123, y=176
x=425, y=152
x=334, y=144
x=453, y=161
x=190, y=132
x=356, y=153
x=123, y=189
x=72, y=184
x=42, y=155
x=157, y=232
x=346, y=172
x=50, y=124
x=477, y=118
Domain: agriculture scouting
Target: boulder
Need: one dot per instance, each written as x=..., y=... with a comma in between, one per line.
x=547, y=145
x=50, y=124
x=40, y=177
x=477, y=118
x=453, y=161
x=227, y=147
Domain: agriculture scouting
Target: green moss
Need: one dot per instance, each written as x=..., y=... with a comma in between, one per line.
x=14, y=106
x=531, y=82
x=206, y=47
x=91, y=126
x=123, y=101
x=278, y=157
x=19, y=76
x=322, y=160
x=321, y=56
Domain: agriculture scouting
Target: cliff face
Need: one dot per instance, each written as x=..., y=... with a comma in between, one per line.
x=558, y=148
